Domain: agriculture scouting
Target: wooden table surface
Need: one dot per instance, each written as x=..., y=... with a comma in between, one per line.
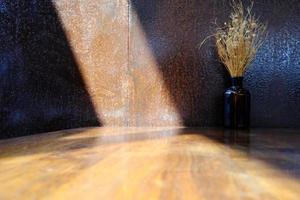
x=152, y=163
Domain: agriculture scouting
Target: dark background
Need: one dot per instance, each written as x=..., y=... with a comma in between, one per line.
x=195, y=77
x=41, y=88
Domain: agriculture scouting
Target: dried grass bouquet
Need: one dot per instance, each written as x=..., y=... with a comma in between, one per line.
x=239, y=39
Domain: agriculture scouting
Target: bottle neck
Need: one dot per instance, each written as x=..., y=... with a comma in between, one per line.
x=237, y=81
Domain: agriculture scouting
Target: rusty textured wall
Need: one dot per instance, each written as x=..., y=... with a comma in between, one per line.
x=98, y=34
x=67, y=64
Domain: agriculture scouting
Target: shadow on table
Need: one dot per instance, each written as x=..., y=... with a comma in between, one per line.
x=274, y=147
x=195, y=79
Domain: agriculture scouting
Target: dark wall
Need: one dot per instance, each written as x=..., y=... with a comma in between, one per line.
x=41, y=88
x=137, y=63
x=196, y=79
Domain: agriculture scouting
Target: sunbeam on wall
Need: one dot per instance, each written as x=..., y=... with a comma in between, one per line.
x=153, y=103
x=141, y=61
x=124, y=91
x=97, y=31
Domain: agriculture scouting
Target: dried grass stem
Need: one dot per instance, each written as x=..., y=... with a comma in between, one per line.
x=238, y=41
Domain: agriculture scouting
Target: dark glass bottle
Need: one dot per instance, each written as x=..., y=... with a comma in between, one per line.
x=237, y=105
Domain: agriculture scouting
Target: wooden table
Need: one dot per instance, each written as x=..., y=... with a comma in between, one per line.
x=152, y=163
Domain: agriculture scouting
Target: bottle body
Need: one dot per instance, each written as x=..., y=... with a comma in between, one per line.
x=237, y=105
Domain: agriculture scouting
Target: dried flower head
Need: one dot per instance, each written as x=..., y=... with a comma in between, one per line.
x=239, y=39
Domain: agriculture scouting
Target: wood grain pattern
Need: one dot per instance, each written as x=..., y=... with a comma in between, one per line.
x=152, y=163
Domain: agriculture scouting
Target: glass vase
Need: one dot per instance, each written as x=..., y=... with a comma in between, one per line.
x=237, y=105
